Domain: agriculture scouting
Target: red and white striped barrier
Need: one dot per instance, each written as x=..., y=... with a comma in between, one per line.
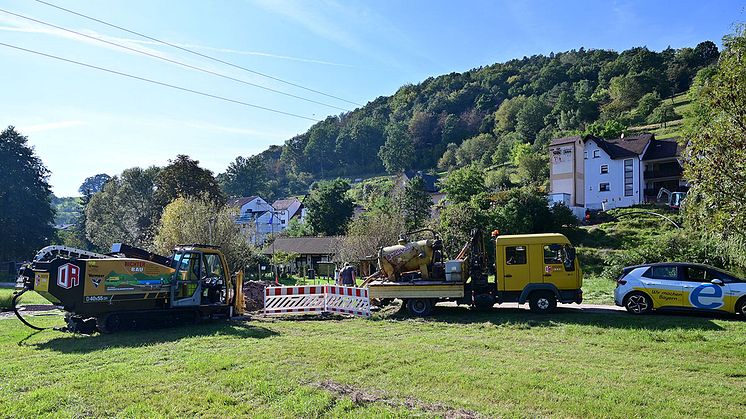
x=348, y=300
x=297, y=299
x=317, y=299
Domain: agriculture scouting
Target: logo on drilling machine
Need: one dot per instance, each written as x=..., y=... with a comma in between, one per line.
x=68, y=276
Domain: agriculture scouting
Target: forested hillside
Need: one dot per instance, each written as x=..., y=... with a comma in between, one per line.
x=480, y=114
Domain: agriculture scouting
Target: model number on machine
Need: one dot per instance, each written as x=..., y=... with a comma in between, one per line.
x=97, y=298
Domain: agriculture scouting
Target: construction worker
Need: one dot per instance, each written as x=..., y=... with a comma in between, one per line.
x=347, y=275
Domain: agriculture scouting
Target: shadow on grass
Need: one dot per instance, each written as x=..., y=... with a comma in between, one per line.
x=599, y=317
x=70, y=343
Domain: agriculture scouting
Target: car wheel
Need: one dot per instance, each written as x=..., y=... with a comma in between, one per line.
x=638, y=303
x=741, y=307
x=420, y=307
x=542, y=302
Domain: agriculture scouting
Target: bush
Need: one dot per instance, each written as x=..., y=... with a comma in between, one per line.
x=6, y=302
x=674, y=246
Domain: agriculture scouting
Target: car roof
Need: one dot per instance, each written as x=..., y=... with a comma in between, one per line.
x=684, y=264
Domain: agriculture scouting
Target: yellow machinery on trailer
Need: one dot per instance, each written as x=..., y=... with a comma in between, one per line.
x=541, y=269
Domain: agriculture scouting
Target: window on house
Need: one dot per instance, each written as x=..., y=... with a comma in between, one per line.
x=628, y=177
x=604, y=187
x=596, y=154
x=585, y=155
x=604, y=169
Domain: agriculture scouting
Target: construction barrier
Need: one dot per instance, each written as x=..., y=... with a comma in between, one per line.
x=347, y=300
x=317, y=299
x=297, y=299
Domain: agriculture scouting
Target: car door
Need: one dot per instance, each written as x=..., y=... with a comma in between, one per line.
x=663, y=284
x=699, y=292
x=555, y=271
x=515, y=269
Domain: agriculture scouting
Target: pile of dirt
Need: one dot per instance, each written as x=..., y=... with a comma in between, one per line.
x=253, y=295
x=361, y=397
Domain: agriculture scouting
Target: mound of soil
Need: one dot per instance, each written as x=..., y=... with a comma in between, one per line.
x=253, y=295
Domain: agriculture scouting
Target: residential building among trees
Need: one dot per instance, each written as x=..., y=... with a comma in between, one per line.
x=588, y=172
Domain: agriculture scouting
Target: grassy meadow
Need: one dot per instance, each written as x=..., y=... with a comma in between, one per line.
x=505, y=362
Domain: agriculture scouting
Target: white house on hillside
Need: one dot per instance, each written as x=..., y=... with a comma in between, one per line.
x=593, y=173
x=259, y=219
x=256, y=217
x=288, y=209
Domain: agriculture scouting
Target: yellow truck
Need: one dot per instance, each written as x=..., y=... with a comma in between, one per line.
x=541, y=269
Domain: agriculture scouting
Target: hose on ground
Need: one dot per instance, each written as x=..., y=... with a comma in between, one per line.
x=14, y=303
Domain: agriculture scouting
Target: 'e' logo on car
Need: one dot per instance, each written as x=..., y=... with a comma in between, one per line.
x=707, y=296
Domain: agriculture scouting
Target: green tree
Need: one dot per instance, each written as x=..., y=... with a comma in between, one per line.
x=245, y=176
x=457, y=220
x=183, y=178
x=533, y=167
x=648, y=103
x=397, y=153
x=369, y=232
x=662, y=114
x=194, y=220
x=625, y=92
x=525, y=210
x=608, y=129
x=93, y=184
x=125, y=210
x=329, y=208
x=507, y=114
x=530, y=118
x=296, y=228
x=462, y=184
x=414, y=203
x=715, y=162
x=448, y=160
x=476, y=149
x=26, y=213
x=77, y=235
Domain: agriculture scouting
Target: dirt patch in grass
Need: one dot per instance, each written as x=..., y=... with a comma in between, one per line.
x=362, y=398
x=35, y=308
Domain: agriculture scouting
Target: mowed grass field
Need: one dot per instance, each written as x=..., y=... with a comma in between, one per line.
x=505, y=362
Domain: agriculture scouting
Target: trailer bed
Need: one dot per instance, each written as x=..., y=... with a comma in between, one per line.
x=415, y=289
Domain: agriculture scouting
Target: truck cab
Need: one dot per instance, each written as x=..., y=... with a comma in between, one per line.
x=539, y=268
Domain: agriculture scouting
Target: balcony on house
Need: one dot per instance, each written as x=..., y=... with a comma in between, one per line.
x=663, y=170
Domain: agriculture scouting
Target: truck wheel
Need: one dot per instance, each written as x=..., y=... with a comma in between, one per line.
x=420, y=307
x=542, y=302
x=638, y=303
x=484, y=301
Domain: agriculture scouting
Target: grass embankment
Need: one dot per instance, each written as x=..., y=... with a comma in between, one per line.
x=500, y=363
x=681, y=105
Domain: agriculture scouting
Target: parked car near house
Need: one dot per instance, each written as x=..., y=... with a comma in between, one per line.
x=688, y=286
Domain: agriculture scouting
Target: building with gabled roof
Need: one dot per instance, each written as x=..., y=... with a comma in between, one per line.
x=587, y=172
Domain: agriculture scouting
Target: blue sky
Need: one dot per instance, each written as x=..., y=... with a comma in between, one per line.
x=82, y=121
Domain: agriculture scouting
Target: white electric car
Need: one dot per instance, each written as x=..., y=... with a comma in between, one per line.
x=643, y=288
